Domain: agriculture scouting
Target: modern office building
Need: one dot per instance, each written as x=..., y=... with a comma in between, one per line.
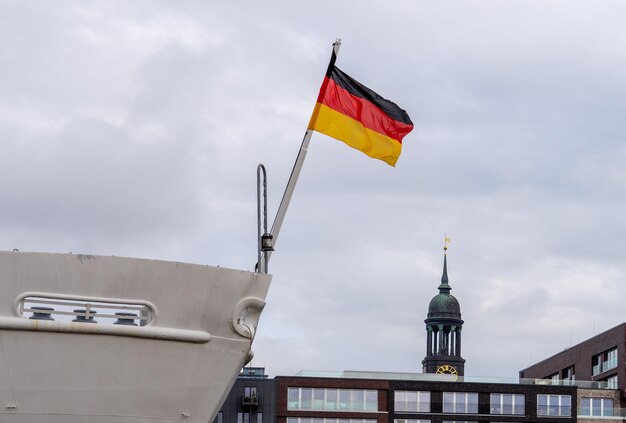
x=376, y=397
x=356, y=397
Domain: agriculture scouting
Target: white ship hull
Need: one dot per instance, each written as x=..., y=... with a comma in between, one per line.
x=178, y=365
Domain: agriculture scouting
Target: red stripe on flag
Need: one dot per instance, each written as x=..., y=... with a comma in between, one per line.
x=361, y=110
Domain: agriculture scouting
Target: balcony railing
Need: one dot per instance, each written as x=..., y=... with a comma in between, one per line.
x=348, y=374
x=250, y=401
x=604, y=366
x=613, y=414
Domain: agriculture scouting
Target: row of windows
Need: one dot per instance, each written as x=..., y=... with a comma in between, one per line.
x=419, y=402
x=454, y=402
x=458, y=403
x=318, y=420
x=332, y=399
x=245, y=418
x=600, y=363
x=428, y=421
x=567, y=376
x=241, y=418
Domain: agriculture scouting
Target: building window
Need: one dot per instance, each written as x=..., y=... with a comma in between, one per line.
x=318, y=399
x=332, y=399
x=371, y=400
x=344, y=400
x=605, y=361
x=219, y=418
x=457, y=421
x=507, y=404
x=243, y=417
x=410, y=421
x=611, y=359
x=568, y=376
x=293, y=398
x=554, y=405
x=596, y=365
x=249, y=395
x=358, y=400
x=259, y=417
x=412, y=401
x=611, y=382
x=460, y=402
x=306, y=399
x=596, y=407
x=554, y=378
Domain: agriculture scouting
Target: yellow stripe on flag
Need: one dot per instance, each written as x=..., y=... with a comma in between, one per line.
x=353, y=133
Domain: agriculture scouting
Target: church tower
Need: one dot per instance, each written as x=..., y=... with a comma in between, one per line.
x=443, y=330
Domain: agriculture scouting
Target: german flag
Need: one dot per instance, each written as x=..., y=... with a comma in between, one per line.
x=350, y=112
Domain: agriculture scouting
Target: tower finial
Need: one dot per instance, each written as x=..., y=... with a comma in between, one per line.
x=444, y=287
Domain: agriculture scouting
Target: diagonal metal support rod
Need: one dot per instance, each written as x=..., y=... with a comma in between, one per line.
x=295, y=172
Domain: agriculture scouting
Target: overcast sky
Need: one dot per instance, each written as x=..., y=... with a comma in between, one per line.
x=135, y=127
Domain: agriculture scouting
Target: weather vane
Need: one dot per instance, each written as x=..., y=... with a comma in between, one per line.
x=446, y=243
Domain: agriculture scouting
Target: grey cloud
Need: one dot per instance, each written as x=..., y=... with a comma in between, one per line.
x=136, y=128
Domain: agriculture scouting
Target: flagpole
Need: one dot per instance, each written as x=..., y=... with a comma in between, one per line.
x=295, y=172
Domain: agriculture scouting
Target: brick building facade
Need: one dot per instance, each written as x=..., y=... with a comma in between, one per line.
x=601, y=358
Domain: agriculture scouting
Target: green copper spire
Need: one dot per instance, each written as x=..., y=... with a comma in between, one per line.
x=444, y=288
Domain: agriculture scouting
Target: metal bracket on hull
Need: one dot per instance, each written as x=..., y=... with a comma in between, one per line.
x=246, y=316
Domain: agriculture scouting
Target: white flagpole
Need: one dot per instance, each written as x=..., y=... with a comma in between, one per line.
x=295, y=172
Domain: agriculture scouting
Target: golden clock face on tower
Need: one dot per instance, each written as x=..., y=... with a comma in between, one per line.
x=447, y=369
